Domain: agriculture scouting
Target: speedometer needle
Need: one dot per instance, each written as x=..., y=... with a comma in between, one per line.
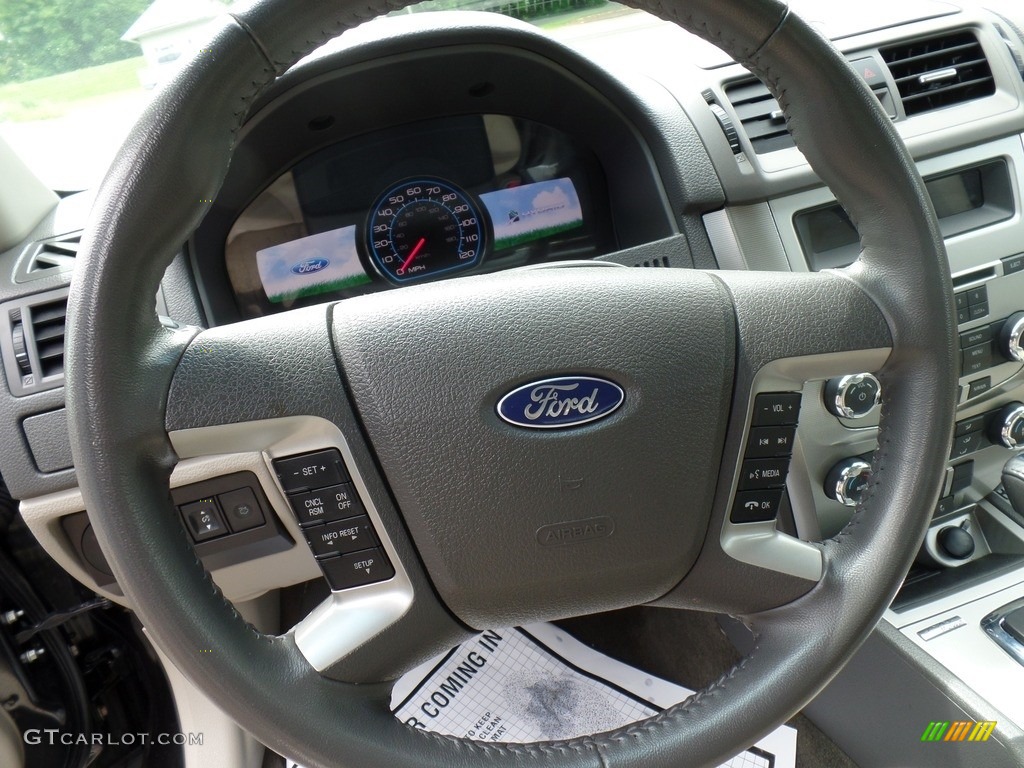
x=418, y=247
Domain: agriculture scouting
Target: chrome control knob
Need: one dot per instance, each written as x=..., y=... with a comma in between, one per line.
x=1011, y=337
x=1007, y=426
x=847, y=481
x=852, y=397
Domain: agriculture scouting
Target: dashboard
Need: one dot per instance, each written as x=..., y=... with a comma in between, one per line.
x=414, y=203
x=530, y=154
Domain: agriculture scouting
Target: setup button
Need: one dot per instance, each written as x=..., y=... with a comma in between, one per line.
x=357, y=569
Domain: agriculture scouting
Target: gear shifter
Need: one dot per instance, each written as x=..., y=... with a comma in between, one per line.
x=1013, y=483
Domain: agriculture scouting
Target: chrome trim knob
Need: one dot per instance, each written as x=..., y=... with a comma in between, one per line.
x=1007, y=428
x=853, y=396
x=1011, y=338
x=847, y=481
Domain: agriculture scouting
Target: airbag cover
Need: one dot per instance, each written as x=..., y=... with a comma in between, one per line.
x=517, y=524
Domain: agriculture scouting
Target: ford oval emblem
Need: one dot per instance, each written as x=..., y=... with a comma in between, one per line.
x=566, y=401
x=309, y=266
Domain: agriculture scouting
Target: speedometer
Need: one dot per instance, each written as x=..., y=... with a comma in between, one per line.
x=423, y=228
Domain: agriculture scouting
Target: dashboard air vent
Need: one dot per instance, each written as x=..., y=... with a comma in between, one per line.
x=49, y=257
x=48, y=334
x=661, y=261
x=760, y=115
x=32, y=341
x=937, y=72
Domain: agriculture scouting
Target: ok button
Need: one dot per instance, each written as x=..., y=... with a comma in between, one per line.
x=326, y=505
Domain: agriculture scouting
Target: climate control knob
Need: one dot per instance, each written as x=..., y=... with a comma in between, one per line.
x=854, y=396
x=847, y=481
x=1007, y=426
x=1011, y=337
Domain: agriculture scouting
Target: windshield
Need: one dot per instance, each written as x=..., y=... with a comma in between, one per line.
x=76, y=74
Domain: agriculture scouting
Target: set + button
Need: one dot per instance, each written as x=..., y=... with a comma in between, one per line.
x=311, y=470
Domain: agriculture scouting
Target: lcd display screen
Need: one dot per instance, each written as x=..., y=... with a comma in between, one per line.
x=321, y=263
x=532, y=211
x=957, y=193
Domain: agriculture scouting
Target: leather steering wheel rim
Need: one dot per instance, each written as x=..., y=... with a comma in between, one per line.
x=157, y=192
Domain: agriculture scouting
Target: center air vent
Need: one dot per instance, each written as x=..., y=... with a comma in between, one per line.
x=760, y=115
x=937, y=72
x=32, y=341
x=48, y=257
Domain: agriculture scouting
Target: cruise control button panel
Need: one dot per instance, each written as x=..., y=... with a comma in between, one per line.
x=769, y=446
x=333, y=518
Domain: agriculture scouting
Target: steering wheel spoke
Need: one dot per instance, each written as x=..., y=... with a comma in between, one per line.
x=814, y=318
x=270, y=390
x=794, y=330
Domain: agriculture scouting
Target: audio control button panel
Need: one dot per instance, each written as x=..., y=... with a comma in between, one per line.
x=769, y=446
x=333, y=519
x=971, y=305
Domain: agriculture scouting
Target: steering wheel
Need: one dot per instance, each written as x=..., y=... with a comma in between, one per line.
x=412, y=379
